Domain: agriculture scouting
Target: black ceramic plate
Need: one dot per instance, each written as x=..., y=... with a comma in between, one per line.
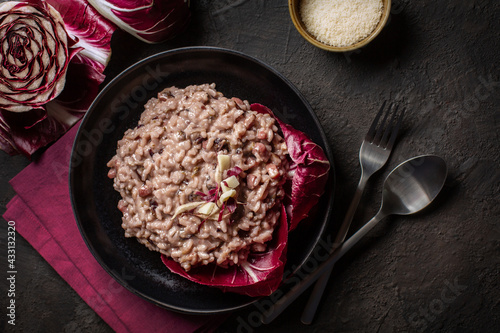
x=118, y=108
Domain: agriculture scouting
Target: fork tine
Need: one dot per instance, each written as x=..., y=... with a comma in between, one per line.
x=394, y=134
x=381, y=127
x=371, y=132
x=389, y=128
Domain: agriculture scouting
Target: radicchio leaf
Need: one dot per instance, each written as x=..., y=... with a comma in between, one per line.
x=149, y=20
x=261, y=275
x=234, y=171
x=92, y=31
x=29, y=132
x=80, y=91
x=310, y=168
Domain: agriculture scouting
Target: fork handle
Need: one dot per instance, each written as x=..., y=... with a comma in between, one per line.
x=344, y=228
x=319, y=288
x=280, y=305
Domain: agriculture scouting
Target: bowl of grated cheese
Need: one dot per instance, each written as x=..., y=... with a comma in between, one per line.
x=339, y=25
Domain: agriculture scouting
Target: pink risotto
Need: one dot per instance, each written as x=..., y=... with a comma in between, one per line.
x=201, y=177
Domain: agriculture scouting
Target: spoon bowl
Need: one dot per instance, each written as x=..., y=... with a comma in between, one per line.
x=409, y=188
x=413, y=185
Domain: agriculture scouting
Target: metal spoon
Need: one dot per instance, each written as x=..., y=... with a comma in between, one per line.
x=410, y=187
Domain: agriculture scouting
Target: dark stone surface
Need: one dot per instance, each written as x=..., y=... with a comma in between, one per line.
x=438, y=270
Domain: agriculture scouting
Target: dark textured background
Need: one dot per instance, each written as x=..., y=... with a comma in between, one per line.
x=440, y=59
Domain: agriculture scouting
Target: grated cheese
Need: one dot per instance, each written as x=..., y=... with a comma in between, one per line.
x=340, y=22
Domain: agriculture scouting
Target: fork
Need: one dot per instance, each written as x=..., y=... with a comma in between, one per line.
x=373, y=155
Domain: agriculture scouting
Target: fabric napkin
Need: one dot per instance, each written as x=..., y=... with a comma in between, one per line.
x=44, y=217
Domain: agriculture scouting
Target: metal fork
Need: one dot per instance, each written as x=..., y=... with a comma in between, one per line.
x=373, y=155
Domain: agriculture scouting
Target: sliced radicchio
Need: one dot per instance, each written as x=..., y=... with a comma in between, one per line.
x=309, y=167
x=149, y=20
x=34, y=55
x=87, y=52
x=260, y=275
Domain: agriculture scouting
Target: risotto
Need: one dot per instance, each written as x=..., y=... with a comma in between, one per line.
x=200, y=177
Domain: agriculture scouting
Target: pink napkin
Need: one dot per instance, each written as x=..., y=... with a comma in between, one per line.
x=44, y=217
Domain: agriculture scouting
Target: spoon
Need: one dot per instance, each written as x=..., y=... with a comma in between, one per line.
x=409, y=188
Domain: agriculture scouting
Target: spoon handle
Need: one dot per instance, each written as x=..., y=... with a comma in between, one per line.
x=300, y=287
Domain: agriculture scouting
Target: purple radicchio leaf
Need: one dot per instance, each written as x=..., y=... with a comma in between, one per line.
x=260, y=275
x=90, y=29
x=309, y=166
x=149, y=20
x=88, y=52
x=234, y=171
